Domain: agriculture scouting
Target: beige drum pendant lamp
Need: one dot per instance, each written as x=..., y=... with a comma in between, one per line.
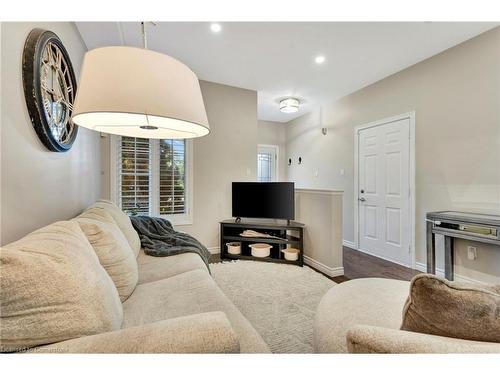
x=141, y=93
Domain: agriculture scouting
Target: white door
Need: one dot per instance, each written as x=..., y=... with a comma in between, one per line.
x=384, y=191
x=267, y=158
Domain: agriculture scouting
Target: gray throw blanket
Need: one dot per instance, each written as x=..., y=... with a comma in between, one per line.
x=159, y=239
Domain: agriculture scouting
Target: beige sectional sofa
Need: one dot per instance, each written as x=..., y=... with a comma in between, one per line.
x=59, y=293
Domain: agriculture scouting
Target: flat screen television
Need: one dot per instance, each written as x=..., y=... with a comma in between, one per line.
x=270, y=200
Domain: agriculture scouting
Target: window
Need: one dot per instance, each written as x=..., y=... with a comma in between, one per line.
x=267, y=155
x=264, y=167
x=152, y=177
x=135, y=182
x=172, y=177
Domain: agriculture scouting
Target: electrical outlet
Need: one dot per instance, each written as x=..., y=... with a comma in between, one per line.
x=471, y=253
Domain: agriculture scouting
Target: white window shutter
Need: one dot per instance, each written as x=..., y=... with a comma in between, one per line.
x=135, y=175
x=172, y=182
x=152, y=177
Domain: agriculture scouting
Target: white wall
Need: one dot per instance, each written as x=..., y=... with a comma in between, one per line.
x=273, y=133
x=227, y=154
x=39, y=187
x=456, y=97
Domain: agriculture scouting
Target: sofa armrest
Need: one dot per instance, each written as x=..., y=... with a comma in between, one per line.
x=370, y=339
x=201, y=333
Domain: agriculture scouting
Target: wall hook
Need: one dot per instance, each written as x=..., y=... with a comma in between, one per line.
x=289, y=162
x=300, y=160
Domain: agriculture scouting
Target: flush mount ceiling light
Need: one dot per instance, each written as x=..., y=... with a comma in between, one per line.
x=215, y=27
x=140, y=93
x=319, y=59
x=289, y=105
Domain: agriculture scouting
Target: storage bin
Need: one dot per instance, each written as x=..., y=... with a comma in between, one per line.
x=260, y=250
x=234, y=248
x=291, y=253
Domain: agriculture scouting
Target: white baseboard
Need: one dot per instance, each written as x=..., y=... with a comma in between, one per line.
x=214, y=250
x=440, y=272
x=423, y=268
x=350, y=244
x=332, y=272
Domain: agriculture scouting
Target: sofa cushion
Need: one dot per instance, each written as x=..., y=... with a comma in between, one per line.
x=123, y=222
x=461, y=310
x=369, y=339
x=189, y=293
x=52, y=288
x=370, y=301
x=112, y=249
x=157, y=268
x=201, y=333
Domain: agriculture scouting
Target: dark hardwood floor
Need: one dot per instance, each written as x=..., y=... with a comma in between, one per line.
x=358, y=265
x=214, y=258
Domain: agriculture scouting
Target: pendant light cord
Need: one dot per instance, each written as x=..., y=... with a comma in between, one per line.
x=145, y=45
x=144, y=37
x=144, y=34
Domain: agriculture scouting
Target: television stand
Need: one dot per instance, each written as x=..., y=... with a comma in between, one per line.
x=284, y=234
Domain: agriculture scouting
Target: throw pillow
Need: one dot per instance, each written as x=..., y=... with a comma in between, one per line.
x=112, y=249
x=123, y=222
x=461, y=310
x=52, y=288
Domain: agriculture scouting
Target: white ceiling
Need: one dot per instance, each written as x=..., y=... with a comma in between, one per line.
x=277, y=58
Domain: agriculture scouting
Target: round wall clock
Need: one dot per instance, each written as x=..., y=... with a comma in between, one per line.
x=49, y=89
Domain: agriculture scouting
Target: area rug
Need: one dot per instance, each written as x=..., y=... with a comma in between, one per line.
x=278, y=299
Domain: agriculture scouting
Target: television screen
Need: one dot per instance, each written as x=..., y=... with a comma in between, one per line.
x=271, y=200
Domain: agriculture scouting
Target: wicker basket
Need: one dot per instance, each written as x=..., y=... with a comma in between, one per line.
x=261, y=250
x=291, y=253
x=234, y=248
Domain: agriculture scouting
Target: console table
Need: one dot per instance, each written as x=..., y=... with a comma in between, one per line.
x=284, y=234
x=453, y=224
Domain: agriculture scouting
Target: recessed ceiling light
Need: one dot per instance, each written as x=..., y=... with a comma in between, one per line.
x=215, y=27
x=289, y=105
x=319, y=59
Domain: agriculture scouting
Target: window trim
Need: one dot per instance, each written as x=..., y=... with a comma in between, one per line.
x=175, y=219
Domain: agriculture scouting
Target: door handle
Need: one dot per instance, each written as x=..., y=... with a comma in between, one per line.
x=362, y=199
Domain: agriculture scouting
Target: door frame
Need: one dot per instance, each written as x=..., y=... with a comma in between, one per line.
x=411, y=196
x=276, y=161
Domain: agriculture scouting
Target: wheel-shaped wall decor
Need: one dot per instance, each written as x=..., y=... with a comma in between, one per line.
x=49, y=89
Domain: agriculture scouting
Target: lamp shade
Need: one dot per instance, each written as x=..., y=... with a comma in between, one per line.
x=141, y=93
